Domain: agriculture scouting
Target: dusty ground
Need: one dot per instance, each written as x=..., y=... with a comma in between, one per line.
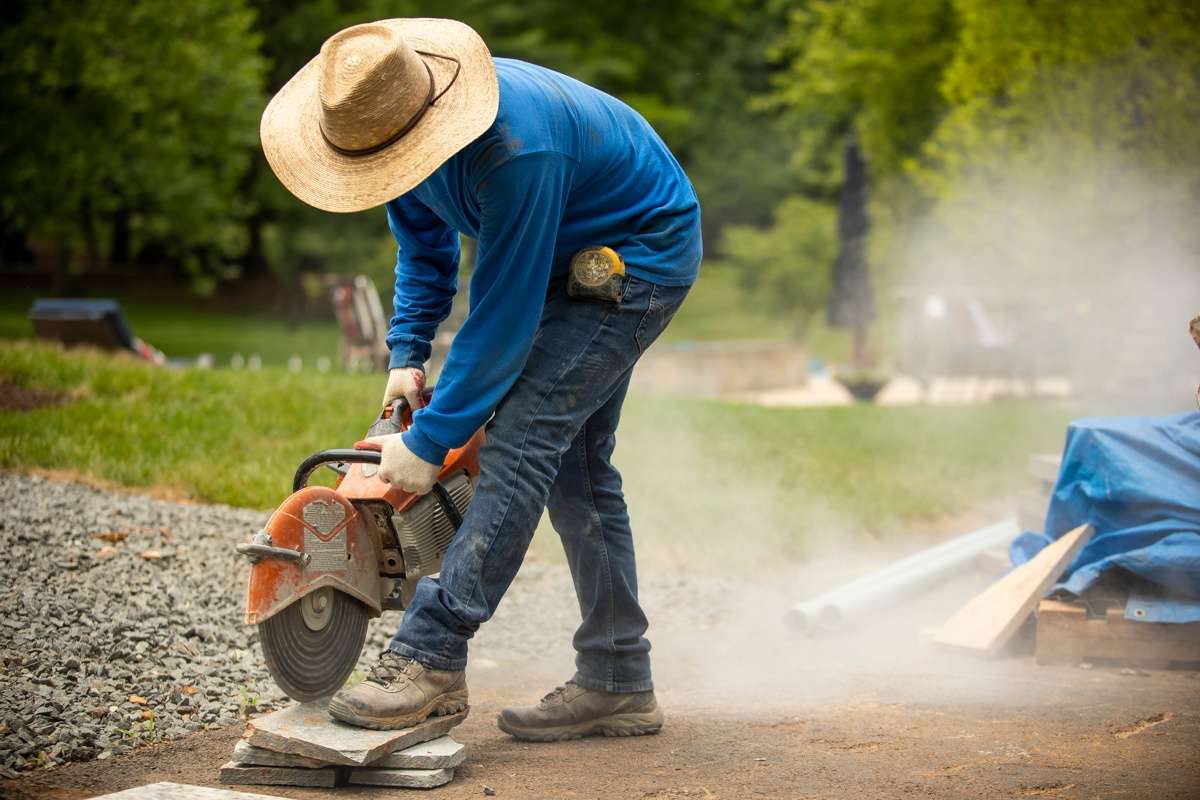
x=1068, y=737
x=755, y=711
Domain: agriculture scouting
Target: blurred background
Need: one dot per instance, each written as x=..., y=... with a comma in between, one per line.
x=934, y=230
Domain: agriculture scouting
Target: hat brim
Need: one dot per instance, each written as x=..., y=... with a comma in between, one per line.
x=332, y=181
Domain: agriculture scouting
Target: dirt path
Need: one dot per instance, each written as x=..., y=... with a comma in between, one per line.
x=753, y=710
x=1117, y=736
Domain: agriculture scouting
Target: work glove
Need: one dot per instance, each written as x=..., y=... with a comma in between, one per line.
x=403, y=468
x=406, y=382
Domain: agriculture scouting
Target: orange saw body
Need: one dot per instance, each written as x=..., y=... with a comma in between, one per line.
x=329, y=559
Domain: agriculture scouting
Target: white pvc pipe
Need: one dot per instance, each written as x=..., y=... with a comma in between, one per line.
x=903, y=578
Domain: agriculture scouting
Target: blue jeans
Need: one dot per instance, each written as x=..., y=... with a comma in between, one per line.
x=549, y=446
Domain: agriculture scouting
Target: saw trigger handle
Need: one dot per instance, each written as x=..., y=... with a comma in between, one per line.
x=390, y=419
x=397, y=416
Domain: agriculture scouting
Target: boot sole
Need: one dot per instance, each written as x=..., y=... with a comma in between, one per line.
x=635, y=724
x=441, y=706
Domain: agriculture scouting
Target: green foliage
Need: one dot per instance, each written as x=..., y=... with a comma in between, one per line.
x=153, y=110
x=786, y=265
x=130, y=128
x=869, y=65
x=1003, y=138
x=129, y=121
x=1075, y=86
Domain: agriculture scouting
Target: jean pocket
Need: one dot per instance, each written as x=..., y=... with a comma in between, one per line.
x=664, y=301
x=651, y=323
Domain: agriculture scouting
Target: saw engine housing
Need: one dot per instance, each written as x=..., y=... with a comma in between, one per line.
x=424, y=529
x=328, y=559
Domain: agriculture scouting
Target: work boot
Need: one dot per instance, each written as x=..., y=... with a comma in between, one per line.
x=400, y=692
x=572, y=712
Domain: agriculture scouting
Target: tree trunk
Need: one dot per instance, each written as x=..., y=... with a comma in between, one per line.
x=254, y=259
x=852, y=301
x=91, y=241
x=120, y=249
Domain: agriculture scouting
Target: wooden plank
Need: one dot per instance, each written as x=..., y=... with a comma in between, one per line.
x=989, y=620
x=1065, y=634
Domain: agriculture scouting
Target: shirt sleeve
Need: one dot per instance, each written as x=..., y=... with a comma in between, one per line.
x=521, y=206
x=426, y=279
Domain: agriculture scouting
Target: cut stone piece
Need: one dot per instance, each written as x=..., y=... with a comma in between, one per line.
x=308, y=730
x=438, y=753
x=180, y=791
x=408, y=778
x=435, y=754
x=279, y=776
x=247, y=755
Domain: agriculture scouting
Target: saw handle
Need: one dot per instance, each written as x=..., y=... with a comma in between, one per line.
x=396, y=417
x=368, y=455
x=390, y=419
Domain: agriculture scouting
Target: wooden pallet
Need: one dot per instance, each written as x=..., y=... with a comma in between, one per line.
x=1065, y=634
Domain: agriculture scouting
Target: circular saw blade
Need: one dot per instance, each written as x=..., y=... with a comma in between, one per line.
x=307, y=663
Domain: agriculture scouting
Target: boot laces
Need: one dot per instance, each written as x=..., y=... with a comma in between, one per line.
x=391, y=667
x=556, y=693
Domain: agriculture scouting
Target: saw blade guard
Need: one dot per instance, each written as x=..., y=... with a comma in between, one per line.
x=315, y=539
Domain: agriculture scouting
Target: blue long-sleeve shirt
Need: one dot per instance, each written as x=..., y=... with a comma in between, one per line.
x=563, y=167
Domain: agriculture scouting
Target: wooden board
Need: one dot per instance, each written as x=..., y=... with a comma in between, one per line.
x=1065, y=634
x=989, y=620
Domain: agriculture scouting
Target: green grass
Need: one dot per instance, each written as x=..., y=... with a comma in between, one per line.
x=183, y=331
x=708, y=482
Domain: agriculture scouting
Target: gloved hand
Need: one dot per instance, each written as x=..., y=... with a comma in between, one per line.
x=403, y=468
x=406, y=382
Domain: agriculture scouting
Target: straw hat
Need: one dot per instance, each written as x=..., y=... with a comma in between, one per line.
x=379, y=109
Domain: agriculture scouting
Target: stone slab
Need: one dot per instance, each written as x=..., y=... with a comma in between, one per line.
x=308, y=730
x=180, y=791
x=279, y=776
x=247, y=755
x=440, y=753
x=407, y=778
x=435, y=754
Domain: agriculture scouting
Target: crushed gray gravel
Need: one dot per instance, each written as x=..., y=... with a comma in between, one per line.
x=122, y=621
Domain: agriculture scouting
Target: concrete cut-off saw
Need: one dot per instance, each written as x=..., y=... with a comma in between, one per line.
x=330, y=559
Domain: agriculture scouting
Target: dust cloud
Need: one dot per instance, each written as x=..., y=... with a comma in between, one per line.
x=1086, y=271
x=1084, y=268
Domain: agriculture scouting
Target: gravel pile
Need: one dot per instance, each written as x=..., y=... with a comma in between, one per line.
x=122, y=621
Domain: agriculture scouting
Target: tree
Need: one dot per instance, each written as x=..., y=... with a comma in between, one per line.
x=852, y=301
x=128, y=127
x=871, y=66
x=860, y=87
x=1077, y=79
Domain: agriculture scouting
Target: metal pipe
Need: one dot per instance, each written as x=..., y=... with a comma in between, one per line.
x=831, y=610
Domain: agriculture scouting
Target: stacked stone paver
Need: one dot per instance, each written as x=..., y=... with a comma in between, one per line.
x=303, y=746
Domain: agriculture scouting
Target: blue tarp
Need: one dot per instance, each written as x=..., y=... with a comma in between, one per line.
x=1136, y=480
